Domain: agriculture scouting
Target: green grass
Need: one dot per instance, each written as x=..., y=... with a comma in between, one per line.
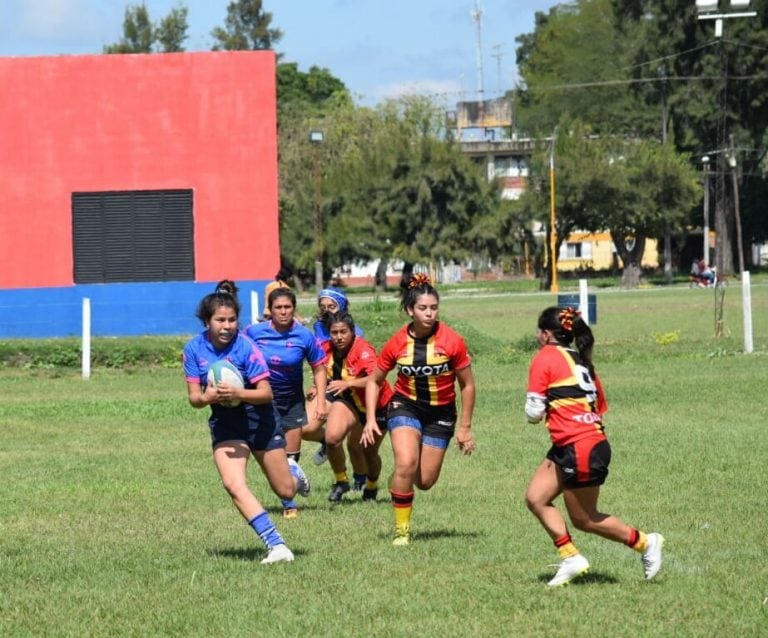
x=113, y=523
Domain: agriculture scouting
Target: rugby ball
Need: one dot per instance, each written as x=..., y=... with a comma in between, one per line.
x=224, y=371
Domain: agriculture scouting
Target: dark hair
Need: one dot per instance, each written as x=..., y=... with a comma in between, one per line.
x=338, y=317
x=281, y=292
x=567, y=327
x=284, y=274
x=225, y=295
x=416, y=285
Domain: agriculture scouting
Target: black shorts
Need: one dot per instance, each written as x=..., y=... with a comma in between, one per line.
x=256, y=425
x=435, y=422
x=291, y=412
x=583, y=463
x=381, y=414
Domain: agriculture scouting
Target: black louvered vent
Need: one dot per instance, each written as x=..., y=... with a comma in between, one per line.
x=126, y=236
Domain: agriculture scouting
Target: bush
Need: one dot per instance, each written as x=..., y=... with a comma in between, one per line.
x=107, y=352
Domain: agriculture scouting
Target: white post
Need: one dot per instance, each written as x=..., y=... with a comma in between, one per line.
x=746, y=302
x=254, y=306
x=86, y=338
x=584, y=300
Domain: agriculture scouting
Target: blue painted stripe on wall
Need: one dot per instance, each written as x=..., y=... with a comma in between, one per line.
x=117, y=310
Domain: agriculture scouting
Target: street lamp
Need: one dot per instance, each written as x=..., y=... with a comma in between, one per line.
x=708, y=10
x=705, y=253
x=316, y=138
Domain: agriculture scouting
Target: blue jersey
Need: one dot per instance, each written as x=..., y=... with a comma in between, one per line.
x=199, y=354
x=285, y=353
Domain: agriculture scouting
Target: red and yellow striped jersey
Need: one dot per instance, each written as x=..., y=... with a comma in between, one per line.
x=426, y=368
x=575, y=398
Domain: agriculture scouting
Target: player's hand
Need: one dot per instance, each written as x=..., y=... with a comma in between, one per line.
x=465, y=442
x=370, y=432
x=321, y=410
x=337, y=386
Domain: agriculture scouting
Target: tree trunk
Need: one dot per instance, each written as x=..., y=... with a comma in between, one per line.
x=723, y=248
x=380, y=283
x=632, y=274
x=407, y=273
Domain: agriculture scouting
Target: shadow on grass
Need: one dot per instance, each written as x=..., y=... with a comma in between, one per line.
x=250, y=554
x=437, y=534
x=590, y=578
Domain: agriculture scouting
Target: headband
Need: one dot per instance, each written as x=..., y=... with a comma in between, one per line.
x=334, y=293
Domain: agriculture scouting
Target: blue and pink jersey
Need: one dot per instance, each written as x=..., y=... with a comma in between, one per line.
x=199, y=354
x=285, y=353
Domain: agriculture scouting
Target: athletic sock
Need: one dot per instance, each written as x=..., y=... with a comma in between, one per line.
x=341, y=477
x=403, y=506
x=637, y=540
x=266, y=530
x=565, y=547
x=294, y=455
x=289, y=504
x=371, y=485
x=359, y=478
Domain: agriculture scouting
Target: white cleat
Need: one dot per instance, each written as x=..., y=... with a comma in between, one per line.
x=569, y=569
x=652, y=555
x=278, y=554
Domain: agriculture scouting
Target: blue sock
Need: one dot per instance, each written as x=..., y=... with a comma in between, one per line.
x=289, y=504
x=265, y=528
x=359, y=478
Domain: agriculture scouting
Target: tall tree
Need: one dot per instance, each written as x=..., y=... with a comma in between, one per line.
x=629, y=187
x=171, y=31
x=138, y=33
x=246, y=27
x=576, y=65
x=141, y=36
x=713, y=88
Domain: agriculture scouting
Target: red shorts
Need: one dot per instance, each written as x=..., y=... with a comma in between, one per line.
x=583, y=463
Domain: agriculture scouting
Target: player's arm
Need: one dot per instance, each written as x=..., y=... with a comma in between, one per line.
x=372, y=390
x=467, y=391
x=198, y=396
x=320, y=381
x=258, y=395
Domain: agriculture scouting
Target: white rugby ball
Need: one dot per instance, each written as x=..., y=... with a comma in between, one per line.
x=224, y=371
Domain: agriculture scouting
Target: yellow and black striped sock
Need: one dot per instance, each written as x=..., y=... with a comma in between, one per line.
x=341, y=477
x=371, y=485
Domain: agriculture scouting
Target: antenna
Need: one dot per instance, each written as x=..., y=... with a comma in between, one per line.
x=477, y=16
x=498, y=55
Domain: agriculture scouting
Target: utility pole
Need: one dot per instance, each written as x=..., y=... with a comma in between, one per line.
x=477, y=16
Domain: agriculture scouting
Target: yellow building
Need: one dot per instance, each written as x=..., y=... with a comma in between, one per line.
x=595, y=251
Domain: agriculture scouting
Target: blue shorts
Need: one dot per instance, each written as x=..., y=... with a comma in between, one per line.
x=291, y=412
x=436, y=423
x=255, y=425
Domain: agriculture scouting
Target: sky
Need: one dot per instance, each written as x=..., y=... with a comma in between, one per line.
x=378, y=48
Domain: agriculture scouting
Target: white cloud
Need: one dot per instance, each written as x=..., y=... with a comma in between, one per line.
x=60, y=19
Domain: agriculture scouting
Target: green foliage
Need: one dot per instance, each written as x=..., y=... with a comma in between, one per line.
x=247, y=28
x=105, y=352
x=141, y=36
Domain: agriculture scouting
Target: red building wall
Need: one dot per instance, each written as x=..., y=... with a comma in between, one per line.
x=205, y=121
